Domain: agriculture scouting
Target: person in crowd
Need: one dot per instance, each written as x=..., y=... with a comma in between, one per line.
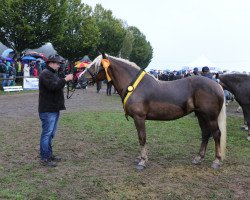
x=35, y=71
x=206, y=72
x=19, y=70
x=3, y=72
x=38, y=66
x=12, y=75
x=8, y=82
x=51, y=102
x=109, y=88
x=196, y=71
x=26, y=69
x=98, y=86
x=32, y=65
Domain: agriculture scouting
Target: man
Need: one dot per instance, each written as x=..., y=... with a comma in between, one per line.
x=206, y=72
x=51, y=101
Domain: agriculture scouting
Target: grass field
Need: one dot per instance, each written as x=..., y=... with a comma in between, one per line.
x=99, y=149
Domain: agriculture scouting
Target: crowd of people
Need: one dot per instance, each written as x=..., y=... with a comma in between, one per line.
x=174, y=75
x=11, y=68
x=14, y=70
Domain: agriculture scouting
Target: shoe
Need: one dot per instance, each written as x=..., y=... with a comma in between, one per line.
x=48, y=163
x=55, y=158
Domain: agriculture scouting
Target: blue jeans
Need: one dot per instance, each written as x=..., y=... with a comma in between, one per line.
x=49, y=126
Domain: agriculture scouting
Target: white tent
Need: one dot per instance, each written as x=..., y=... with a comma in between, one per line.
x=201, y=62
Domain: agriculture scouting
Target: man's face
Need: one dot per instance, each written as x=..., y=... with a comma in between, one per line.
x=54, y=65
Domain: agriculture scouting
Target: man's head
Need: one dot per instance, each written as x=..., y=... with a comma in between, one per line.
x=54, y=61
x=195, y=71
x=205, y=69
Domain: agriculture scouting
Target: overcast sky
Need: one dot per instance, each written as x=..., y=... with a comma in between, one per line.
x=180, y=31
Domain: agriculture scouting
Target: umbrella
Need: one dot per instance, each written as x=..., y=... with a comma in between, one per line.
x=82, y=65
x=36, y=54
x=9, y=59
x=40, y=59
x=28, y=58
x=6, y=52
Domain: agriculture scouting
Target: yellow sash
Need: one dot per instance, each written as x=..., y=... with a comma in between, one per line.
x=132, y=88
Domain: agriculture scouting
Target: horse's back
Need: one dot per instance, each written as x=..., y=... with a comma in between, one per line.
x=167, y=100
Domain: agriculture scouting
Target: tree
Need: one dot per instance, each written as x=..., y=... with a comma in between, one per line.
x=127, y=45
x=111, y=29
x=142, y=51
x=81, y=32
x=31, y=23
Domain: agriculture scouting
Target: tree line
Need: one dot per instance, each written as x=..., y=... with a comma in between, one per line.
x=73, y=27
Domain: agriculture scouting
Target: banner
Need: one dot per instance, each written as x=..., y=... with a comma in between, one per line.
x=30, y=83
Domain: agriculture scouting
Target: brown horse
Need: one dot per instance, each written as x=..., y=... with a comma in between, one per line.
x=166, y=100
x=239, y=86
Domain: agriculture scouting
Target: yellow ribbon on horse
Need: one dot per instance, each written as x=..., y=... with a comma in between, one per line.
x=106, y=64
x=131, y=88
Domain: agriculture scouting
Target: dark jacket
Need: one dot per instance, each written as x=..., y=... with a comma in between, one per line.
x=51, y=96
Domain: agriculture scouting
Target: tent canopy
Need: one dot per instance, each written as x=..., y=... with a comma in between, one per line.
x=202, y=61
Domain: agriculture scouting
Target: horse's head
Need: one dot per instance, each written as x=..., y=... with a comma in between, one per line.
x=95, y=70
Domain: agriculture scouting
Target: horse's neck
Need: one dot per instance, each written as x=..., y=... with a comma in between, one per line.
x=122, y=76
x=230, y=83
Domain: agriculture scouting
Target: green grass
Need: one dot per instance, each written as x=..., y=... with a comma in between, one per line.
x=99, y=149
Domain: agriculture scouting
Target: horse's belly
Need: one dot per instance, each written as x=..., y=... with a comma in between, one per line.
x=160, y=111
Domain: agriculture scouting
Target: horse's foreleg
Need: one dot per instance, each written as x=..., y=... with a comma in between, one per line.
x=141, y=130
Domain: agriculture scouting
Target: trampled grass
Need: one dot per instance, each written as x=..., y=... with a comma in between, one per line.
x=99, y=149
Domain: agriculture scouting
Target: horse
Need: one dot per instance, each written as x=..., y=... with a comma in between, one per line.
x=239, y=86
x=146, y=98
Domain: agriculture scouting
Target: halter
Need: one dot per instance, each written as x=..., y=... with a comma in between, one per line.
x=71, y=85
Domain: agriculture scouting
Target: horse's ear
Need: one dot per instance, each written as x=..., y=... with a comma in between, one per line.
x=103, y=54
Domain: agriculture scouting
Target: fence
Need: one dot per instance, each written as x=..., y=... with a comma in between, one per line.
x=27, y=82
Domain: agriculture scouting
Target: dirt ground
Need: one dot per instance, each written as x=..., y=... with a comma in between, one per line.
x=25, y=104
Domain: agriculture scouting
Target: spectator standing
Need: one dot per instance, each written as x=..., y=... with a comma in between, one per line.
x=206, y=72
x=8, y=82
x=196, y=71
x=51, y=101
x=98, y=86
x=26, y=70
x=109, y=88
x=39, y=67
x=12, y=75
x=3, y=73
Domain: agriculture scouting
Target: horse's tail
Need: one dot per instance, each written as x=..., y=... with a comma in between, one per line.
x=222, y=122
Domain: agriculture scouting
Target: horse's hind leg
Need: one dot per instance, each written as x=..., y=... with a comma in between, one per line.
x=205, y=137
x=217, y=137
x=248, y=126
x=141, y=130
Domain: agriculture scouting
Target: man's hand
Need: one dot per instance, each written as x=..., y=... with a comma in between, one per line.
x=69, y=77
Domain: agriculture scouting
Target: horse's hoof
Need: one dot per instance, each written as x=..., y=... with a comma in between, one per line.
x=196, y=161
x=140, y=167
x=215, y=165
x=137, y=160
x=248, y=138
